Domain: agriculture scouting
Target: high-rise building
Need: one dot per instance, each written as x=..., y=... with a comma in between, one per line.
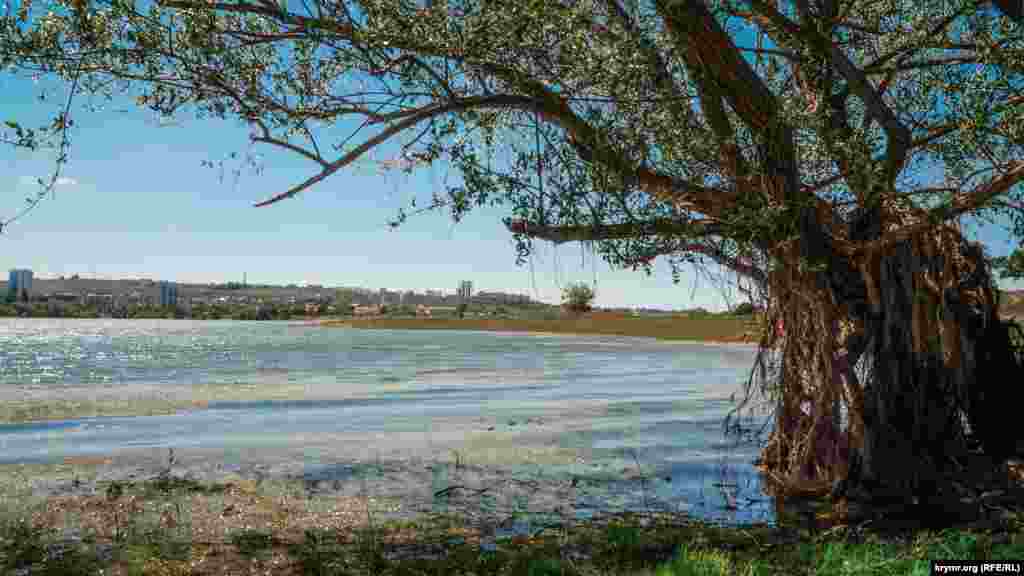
x=168, y=293
x=19, y=283
x=465, y=291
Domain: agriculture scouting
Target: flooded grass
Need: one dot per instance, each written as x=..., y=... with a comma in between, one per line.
x=57, y=409
x=170, y=401
x=180, y=526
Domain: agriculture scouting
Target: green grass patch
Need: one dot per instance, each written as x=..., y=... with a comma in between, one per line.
x=38, y=551
x=623, y=547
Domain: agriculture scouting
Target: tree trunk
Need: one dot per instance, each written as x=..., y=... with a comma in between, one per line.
x=909, y=405
x=928, y=393
x=917, y=400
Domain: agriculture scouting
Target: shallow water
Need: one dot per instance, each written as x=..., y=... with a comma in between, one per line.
x=637, y=422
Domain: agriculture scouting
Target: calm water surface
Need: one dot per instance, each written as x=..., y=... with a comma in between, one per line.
x=640, y=418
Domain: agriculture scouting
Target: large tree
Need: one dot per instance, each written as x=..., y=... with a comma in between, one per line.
x=793, y=141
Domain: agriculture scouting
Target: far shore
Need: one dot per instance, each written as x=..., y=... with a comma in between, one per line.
x=729, y=330
x=676, y=328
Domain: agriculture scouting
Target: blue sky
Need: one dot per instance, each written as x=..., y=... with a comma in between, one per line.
x=137, y=203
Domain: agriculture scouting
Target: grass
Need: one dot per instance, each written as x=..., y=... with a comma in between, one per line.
x=667, y=327
x=622, y=547
x=14, y=410
x=63, y=409
x=161, y=526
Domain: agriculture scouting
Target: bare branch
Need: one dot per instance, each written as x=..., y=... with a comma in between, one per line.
x=268, y=139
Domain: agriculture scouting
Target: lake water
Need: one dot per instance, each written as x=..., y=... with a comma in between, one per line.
x=636, y=422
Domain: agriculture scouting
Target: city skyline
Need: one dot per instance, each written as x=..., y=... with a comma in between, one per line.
x=464, y=286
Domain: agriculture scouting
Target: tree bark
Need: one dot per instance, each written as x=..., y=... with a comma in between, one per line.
x=903, y=405
x=916, y=400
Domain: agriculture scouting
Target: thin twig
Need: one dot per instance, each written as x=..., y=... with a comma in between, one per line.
x=61, y=157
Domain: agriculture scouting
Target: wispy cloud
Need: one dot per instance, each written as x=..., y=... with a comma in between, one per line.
x=65, y=181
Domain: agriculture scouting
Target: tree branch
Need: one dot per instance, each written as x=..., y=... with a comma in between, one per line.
x=597, y=147
x=707, y=47
x=662, y=76
x=756, y=274
x=591, y=233
x=667, y=227
x=553, y=107
x=936, y=216
x=422, y=114
x=268, y=139
x=697, y=32
x=267, y=9
x=897, y=134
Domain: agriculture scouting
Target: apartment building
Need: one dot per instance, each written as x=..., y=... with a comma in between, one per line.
x=19, y=283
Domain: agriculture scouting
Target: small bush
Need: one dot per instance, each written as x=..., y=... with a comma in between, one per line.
x=578, y=297
x=744, y=309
